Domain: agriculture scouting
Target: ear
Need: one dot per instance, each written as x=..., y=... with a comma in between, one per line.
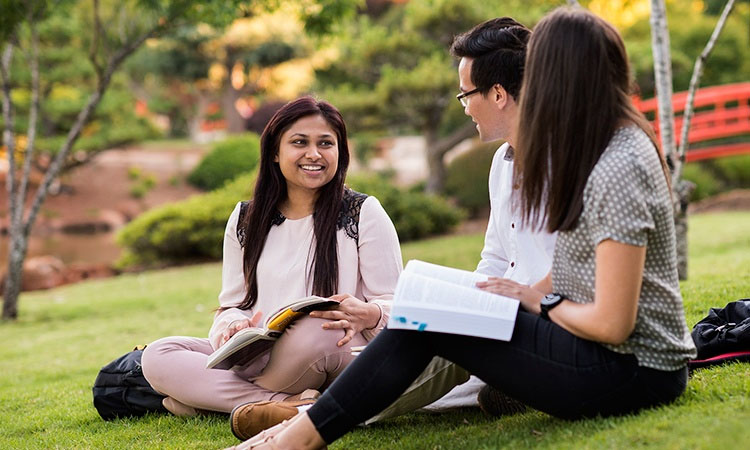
x=500, y=96
x=276, y=157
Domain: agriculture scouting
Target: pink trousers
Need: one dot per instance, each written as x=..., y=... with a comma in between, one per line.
x=305, y=357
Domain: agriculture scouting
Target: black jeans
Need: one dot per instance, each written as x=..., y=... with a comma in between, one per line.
x=543, y=366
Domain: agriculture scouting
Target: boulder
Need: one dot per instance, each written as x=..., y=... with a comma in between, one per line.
x=79, y=272
x=46, y=272
x=42, y=272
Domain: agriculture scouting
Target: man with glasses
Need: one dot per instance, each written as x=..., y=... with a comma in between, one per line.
x=490, y=71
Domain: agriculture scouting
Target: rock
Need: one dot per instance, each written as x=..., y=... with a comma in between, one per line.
x=42, y=272
x=114, y=219
x=79, y=272
x=46, y=272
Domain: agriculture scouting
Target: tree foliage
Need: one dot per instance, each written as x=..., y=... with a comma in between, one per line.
x=37, y=48
x=263, y=54
x=394, y=73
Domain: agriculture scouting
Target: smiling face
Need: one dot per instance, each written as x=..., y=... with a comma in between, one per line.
x=487, y=111
x=308, y=155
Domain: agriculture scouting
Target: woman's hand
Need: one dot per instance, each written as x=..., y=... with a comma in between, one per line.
x=530, y=298
x=238, y=325
x=352, y=315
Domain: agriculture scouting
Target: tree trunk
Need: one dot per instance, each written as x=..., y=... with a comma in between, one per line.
x=435, y=166
x=197, y=119
x=16, y=256
x=436, y=150
x=682, y=191
x=663, y=80
x=663, y=76
x=235, y=122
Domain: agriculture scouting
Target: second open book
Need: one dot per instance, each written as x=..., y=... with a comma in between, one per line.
x=248, y=343
x=430, y=297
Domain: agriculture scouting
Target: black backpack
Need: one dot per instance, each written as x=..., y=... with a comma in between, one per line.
x=121, y=390
x=723, y=335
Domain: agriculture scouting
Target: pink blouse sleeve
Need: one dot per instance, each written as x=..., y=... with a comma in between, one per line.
x=232, y=282
x=380, y=261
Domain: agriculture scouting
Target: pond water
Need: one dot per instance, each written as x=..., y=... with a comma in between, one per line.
x=83, y=248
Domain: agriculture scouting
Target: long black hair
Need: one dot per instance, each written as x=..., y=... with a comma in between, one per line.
x=271, y=192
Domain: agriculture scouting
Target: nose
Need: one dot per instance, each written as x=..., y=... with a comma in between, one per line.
x=312, y=152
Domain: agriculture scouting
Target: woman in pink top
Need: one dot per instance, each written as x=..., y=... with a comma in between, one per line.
x=303, y=233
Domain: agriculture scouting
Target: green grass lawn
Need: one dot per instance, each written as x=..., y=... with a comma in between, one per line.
x=50, y=357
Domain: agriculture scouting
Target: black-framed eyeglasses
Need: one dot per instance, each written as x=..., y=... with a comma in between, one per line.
x=462, y=97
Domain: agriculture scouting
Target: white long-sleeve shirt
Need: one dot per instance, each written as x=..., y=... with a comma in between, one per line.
x=368, y=266
x=512, y=250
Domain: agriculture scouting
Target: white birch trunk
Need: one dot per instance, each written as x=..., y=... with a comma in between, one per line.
x=16, y=251
x=663, y=82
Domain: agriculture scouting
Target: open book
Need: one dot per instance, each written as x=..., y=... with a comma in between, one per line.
x=430, y=297
x=248, y=343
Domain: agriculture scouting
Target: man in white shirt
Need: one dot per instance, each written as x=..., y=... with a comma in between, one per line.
x=490, y=71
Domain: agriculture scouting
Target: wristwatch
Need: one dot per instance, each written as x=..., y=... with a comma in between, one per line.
x=548, y=302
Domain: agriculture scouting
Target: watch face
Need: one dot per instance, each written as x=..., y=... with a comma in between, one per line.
x=551, y=299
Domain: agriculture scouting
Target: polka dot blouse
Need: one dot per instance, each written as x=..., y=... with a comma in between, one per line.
x=627, y=199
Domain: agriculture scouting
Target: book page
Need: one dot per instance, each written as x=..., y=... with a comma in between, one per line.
x=243, y=355
x=448, y=274
x=239, y=341
x=413, y=288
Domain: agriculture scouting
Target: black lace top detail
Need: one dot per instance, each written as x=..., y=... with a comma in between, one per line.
x=351, y=205
x=278, y=219
x=348, y=220
x=240, y=228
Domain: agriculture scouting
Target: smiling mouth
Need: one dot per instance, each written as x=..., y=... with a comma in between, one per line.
x=312, y=168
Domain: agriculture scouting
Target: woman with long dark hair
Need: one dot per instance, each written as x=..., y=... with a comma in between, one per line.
x=604, y=334
x=303, y=233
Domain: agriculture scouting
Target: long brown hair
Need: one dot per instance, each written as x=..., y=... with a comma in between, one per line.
x=575, y=94
x=271, y=191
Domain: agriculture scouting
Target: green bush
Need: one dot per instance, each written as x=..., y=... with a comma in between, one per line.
x=228, y=159
x=466, y=178
x=414, y=214
x=192, y=229
x=706, y=183
x=734, y=171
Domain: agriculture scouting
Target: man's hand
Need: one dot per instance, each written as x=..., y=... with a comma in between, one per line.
x=530, y=298
x=352, y=315
x=238, y=325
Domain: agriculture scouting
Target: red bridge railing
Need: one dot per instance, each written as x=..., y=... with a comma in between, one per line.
x=720, y=112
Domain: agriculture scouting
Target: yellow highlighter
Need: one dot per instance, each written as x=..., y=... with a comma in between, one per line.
x=281, y=321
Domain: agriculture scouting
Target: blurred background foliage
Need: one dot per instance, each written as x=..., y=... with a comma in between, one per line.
x=387, y=68
x=226, y=161
x=193, y=229
x=384, y=63
x=230, y=65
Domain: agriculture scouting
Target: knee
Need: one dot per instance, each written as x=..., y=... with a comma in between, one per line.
x=152, y=359
x=316, y=342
